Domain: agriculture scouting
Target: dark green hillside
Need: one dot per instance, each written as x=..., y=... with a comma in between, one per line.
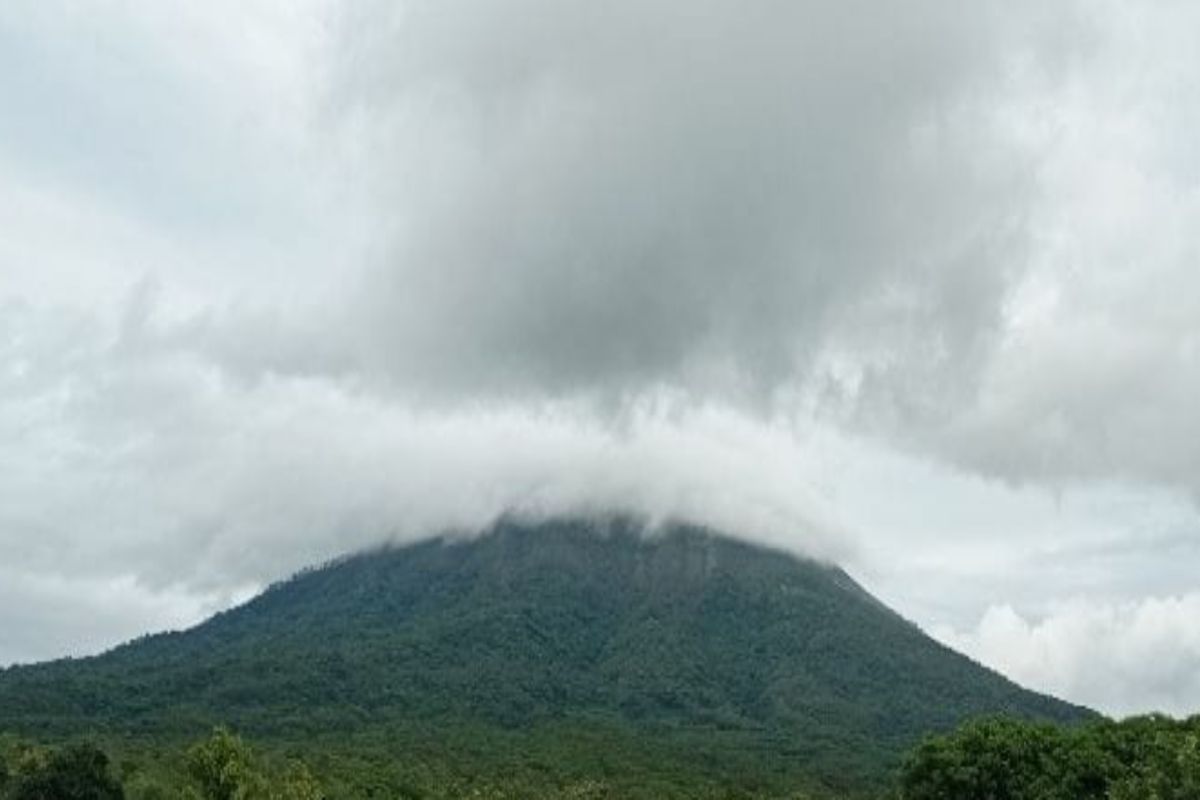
x=563, y=646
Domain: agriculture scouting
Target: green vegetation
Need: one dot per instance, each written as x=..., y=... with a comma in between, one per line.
x=542, y=657
x=1001, y=758
x=223, y=767
x=1142, y=758
x=77, y=772
x=219, y=768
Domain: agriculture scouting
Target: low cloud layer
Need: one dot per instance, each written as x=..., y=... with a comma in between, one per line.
x=912, y=289
x=178, y=471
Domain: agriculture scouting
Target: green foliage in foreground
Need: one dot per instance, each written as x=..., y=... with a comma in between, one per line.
x=77, y=772
x=224, y=767
x=1142, y=758
x=999, y=758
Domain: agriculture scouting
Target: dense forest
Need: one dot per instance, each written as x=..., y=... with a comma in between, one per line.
x=999, y=758
x=1141, y=758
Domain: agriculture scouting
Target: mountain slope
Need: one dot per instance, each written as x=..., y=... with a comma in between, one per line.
x=763, y=662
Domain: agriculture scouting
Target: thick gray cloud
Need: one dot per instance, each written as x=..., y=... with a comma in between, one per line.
x=965, y=230
x=280, y=280
x=581, y=199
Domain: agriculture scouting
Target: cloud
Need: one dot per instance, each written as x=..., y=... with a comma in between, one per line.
x=293, y=277
x=41, y=619
x=576, y=200
x=1098, y=362
x=964, y=232
x=135, y=464
x=171, y=141
x=1122, y=658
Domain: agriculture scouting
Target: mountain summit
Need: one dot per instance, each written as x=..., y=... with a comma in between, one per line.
x=676, y=645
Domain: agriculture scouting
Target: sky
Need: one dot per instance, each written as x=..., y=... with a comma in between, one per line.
x=912, y=288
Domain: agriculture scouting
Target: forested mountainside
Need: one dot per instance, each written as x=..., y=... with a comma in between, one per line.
x=584, y=645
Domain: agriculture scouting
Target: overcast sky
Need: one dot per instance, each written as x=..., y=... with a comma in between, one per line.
x=913, y=287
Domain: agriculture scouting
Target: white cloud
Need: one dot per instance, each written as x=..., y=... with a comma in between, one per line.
x=1099, y=364
x=127, y=453
x=1122, y=658
x=41, y=615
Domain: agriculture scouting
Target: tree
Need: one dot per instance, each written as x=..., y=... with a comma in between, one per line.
x=1140, y=758
x=999, y=759
x=225, y=768
x=78, y=772
x=222, y=765
x=298, y=784
x=1168, y=770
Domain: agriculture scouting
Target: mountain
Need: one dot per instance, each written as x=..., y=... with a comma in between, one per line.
x=592, y=646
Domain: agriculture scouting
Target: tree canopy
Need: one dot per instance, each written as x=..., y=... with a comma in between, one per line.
x=76, y=772
x=1007, y=759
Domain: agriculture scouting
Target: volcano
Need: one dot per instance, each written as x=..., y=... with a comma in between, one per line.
x=580, y=643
